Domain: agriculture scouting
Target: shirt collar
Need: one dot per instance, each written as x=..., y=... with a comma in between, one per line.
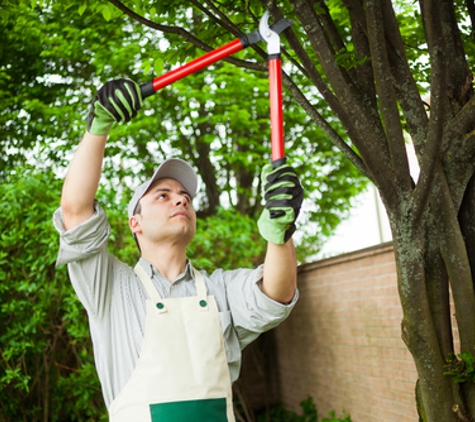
x=151, y=270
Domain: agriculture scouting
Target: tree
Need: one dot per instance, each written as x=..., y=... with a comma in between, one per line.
x=372, y=63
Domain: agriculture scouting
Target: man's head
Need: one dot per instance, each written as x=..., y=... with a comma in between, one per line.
x=156, y=205
x=173, y=168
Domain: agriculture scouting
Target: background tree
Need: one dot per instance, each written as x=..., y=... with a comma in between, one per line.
x=372, y=63
x=52, y=58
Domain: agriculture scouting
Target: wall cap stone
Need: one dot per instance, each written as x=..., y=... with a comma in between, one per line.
x=347, y=257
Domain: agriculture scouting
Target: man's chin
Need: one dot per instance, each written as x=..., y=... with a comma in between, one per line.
x=187, y=231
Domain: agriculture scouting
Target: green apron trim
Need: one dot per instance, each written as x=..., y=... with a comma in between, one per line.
x=209, y=410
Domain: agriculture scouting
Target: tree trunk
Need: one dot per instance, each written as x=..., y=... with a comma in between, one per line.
x=428, y=342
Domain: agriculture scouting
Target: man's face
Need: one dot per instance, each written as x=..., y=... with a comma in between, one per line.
x=167, y=214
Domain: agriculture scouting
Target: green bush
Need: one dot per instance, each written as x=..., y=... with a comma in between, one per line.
x=333, y=418
x=280, y=414
x=47, y=369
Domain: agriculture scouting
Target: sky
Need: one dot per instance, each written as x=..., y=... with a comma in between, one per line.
x=368, y=224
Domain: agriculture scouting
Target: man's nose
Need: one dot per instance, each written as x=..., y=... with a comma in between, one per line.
x=181, y=200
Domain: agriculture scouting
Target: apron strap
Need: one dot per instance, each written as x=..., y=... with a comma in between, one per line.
x=201, y=290
x=147, y=282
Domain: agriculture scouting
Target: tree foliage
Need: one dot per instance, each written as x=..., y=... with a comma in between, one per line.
x=217, y=119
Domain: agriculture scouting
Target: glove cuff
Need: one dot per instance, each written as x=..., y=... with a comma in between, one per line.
x=289, y=232
x=271, y=231
x=99, y=128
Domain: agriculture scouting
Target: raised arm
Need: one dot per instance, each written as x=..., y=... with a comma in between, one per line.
x=283, y=195
x=116, y=101
x=280, y=272
x=82, y=180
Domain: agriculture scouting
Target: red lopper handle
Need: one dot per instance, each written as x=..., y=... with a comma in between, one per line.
x=150, y=87
x=276, y=113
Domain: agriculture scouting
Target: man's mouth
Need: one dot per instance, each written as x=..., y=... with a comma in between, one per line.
x=179, y=214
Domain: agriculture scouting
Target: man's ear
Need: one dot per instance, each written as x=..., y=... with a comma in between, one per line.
x=135, y=224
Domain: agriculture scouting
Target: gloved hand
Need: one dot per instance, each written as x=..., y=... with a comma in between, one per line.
x=117, y=100
x=283, y=194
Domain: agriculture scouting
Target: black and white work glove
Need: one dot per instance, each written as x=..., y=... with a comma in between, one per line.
x=116, y=101
x=283, y=194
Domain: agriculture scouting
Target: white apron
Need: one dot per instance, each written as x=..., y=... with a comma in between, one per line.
x=182, y=373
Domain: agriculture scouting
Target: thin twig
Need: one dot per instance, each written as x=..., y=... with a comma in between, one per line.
x=460, y=415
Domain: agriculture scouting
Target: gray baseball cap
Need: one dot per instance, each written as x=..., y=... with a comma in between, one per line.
x=173, y=168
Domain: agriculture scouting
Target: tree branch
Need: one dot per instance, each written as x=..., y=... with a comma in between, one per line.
x=334, y=37
x=462, y=417
x=376, y=18
x=431, y=157
x=459, y=167
x=222, y=20
x=347, y=151
x=456, y=260
x=185, y=34
x=364, y=71
x=437, y=285
x=471, y=13
x=158, y=27
x=361, y=121
x=462, y=124
x=405, y=86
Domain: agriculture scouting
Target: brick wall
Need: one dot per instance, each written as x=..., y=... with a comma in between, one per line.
x=342, y=343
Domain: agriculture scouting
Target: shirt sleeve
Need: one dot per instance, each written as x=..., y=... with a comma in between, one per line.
x=252, y=311
x=90, y=266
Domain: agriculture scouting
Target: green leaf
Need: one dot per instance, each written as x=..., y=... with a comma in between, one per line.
x=82, y=9
x=146, y=65
x=107, y=13
x=158, y=66
x=4, y=14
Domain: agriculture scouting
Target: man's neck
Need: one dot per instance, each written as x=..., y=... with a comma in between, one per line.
x=170, y=262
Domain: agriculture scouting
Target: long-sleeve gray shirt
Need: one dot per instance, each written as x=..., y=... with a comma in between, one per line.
x=114, y=299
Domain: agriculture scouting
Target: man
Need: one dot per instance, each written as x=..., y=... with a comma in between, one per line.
x=168, y=338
